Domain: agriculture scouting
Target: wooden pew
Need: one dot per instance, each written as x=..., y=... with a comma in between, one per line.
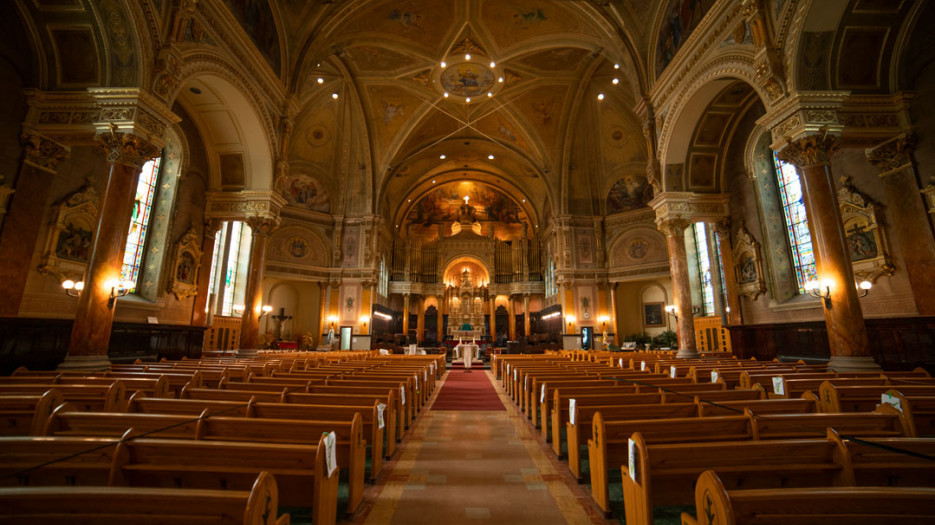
x=350, y=443
x=917, y=412
x=608, y=447
x=104, y=397
x=374, y=424
x=863, y=398
x=119, y=505
x=561, y=403
x=832, y=505
x=27, y=415
x=546, y=398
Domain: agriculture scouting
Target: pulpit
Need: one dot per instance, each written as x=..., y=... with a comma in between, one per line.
x=466, y=352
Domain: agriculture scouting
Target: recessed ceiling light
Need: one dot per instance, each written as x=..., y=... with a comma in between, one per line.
x=446, y=94
x=524, y=200
x=433, y=181
x=490, y=156
x=493, y=64
x=321, y=80
x=489, y=94
x=600, y=96
x=442, y=156
x=334, y=96
x=615, y=81
x=467, y=56
x=616, y=66
x=410, y=200
x=444, y=64
x=468, y=100
x=500, y=80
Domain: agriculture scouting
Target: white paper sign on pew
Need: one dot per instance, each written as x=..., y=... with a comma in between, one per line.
x=425, y=376
x=631, y=453
x=643, y=366
x=889, y=399
x=620, y=363
x=402, y=395
x=571, y=410
x=380, y=408
x=515, y=374
x=779, y=386
x=714, y=376
x=672, y=372
x=331, y=457
x=542, y=395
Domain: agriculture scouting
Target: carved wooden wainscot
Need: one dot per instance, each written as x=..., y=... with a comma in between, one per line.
x=186, y=262
x=751, y=280
x=68, y=244
x=866, y=240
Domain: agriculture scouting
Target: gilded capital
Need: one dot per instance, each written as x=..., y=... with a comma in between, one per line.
x=892, y=155
x=263, y=225
x=127, y=149
x=43, y=152
x=674, y=227
x=723, y=228
x=212, y=226
x=811, y=150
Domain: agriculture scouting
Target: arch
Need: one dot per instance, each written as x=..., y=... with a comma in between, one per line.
x=701, y=89
x=461, y=259
x=231, y=123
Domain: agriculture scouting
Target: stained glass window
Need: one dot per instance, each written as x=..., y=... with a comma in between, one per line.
x=139, y=223
x=800, y=240
x=704, y=267
x=229, y=265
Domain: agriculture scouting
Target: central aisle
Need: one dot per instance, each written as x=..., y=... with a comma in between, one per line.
x=468, y=467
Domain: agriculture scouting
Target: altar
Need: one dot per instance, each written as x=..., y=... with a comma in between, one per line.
x=465, y=305
x=466, y=352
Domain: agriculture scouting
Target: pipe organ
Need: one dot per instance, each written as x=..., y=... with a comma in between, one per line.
x=514, y=261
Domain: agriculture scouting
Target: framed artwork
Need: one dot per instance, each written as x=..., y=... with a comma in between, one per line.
x=866, y=238
x=68, y=244
x=653, y=314
x=186, y=263
x=748, y=265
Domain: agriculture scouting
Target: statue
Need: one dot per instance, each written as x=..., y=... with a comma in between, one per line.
x=331, y=336
x=466, y=213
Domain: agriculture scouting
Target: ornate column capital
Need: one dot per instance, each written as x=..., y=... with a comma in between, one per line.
x=127, y=149
x=722, y=227
x=42, y=152
x=672, y=227
x=212, y=227
x=811, y=150
x=264, y=226
x=892, y=155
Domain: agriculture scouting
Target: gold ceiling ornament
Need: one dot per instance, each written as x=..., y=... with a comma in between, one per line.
x=468, y=47
x=422, y=78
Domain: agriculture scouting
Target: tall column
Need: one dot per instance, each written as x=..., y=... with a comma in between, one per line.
x=420, y=321
x=90, y=335
x=910, y=224
x=613, y=312
x=493, y=319
x=24, y=217
x=441, y=317
x=674, y=230
x=199, y=315
x=847, y=334
x=733, y=317
x=323, y=292
x=406, y=315
x=526, y=314
x=716, y=284
x=512, y=320
x=253, y=293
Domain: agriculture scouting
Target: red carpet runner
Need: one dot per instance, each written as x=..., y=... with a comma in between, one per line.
x=465, y=390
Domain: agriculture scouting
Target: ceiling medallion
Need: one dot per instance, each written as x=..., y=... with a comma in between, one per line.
x=462, y=78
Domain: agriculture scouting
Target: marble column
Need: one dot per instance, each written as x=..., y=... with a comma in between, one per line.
x=420, y=321
x=441, y=317
x=23, y=220
x=199, y=313
x=493, y=319
x=726, y=254
x=323, y=292
x=526, y=314
x=262, y=229
x=847, y=334
x=613, y=312
x=90, y=335
x=674, y=230
x=910, y=225
x=512, y=320
x=406, y=315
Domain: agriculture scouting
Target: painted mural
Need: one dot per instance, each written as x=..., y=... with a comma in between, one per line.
x=304, y=191
x=256, y=18
x=680, y=18
x=629, y=193
x=444, y=205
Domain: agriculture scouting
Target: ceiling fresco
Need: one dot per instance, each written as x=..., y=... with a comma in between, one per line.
x=446, y=205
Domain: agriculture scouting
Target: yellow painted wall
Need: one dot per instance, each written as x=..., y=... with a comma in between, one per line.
x=630, y=297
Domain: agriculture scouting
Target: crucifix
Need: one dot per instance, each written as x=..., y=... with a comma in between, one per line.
x=280, y=318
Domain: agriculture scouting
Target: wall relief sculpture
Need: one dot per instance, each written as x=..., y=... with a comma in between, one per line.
x=751, y=281
x=68, y=244
x=866, y=239
x=186, y=263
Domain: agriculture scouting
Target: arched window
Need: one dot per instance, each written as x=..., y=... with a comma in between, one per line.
x=140, y=221
x=229, y=264
x=700, y=235
x=800, y=240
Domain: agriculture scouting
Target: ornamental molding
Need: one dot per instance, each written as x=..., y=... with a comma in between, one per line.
x=811, y=150
x=748, y=265
x=865, y=236
x=691, y=207
x=244, y=205
x=803, y=114
x=42, y=152
x=893, y=155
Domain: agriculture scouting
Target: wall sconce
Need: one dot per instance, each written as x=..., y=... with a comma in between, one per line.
x=814, y=288
x=238, y=309
x=118, y=289
x=332, y=319
x=364, y=319
x=72, y=288
x=265, y=310
x=604, y=319
x=570, y=320
x=673, y=310
x=863, y=288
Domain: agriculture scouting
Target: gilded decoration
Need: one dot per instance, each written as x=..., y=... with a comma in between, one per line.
x=186, y=263
x=748, y=265
x=866, y=239
x=42, y=152
x=812, y=150
x=127, y=148
x=68, y=245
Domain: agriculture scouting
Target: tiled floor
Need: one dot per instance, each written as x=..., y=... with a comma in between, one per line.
x=476, y=467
